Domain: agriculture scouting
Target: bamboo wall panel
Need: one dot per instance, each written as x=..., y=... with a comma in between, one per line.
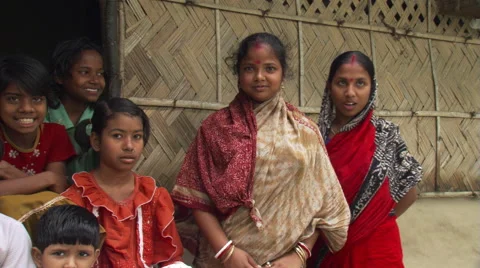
x=404, y=74
x=274, y=6
x=407, y=14
x=235, y=27
x=170, y=48
x=459, y=155
x=178, y=61
x=458, y=72
x=172, y=132
x=452, y=25
x=321, y=45
x=336, y=10
x=169, y=53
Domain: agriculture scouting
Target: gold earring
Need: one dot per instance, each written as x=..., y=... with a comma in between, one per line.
x=283, y=87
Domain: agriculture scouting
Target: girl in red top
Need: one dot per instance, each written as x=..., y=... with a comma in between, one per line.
x=33, y=152
x=137, y=215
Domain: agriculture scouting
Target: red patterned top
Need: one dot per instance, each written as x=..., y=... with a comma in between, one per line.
x=52, y=145
x=140, y=230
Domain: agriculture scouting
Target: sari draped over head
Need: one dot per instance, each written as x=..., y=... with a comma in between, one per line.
x=264, y=173
x=375, y=170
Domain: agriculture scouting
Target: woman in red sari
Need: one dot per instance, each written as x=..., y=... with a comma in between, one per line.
x=376, y=172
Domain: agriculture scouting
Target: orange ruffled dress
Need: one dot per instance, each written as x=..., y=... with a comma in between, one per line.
x=140, y=230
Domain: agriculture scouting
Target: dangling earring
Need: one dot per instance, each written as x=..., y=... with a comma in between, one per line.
x=282, y=87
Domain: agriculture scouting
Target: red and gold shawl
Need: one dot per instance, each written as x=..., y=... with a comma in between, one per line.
x=217, y=174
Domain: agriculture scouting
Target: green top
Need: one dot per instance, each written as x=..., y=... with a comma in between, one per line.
x=85, y=160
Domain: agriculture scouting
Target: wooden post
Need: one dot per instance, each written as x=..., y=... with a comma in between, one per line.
x=372, y=41
x=112, y=47
x=301, y=72
x=435, y=86
x=219, y=54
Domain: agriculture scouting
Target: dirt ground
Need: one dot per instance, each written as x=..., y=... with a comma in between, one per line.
x=441, y=233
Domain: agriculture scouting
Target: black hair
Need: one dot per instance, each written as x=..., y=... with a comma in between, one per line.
x=106, y=110
x=27, y=73
x=346, y=57
x=67, y=224
x=65, y=55
x=263, y=38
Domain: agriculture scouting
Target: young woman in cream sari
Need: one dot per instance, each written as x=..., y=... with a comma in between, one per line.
x=257, y=178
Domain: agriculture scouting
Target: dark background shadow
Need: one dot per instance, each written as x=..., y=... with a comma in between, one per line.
x=34, y=27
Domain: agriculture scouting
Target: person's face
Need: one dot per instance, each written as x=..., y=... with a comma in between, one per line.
x=121, y=142
x=20, y=112
x=65, y=256
x=86, y=81
x=260, y=74
x=350, y=88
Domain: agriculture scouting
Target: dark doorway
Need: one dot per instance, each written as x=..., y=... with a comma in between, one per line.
x=34, y=27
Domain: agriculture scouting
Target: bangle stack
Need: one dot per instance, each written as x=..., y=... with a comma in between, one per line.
x=303, y=253
x=226, y=251
x=307, y=250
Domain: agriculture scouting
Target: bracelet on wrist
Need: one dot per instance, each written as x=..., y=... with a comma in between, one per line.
x=306, y=249
x=223, y=250
x=301, y=254
x=229, y=254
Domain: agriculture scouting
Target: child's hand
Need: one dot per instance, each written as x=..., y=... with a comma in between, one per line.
x=10, y=172
x=289, y=260
x=240, y=259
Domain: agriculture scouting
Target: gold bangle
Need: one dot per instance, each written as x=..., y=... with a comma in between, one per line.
x=305, y=253
x=230, y=253
x=301, y=254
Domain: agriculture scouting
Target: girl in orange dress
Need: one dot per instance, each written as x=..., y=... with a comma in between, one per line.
x=137, y=215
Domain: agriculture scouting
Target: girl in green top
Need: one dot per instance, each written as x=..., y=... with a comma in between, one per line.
x=78, y=72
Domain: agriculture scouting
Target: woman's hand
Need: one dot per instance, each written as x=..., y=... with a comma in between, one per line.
x=240, y=259
x=289, y=260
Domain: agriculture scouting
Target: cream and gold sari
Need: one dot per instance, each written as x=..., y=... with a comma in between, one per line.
x=295, y=190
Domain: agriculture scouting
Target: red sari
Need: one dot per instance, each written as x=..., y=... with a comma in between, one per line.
x=368, y=162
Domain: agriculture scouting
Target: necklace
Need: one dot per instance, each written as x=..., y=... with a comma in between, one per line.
x=333, y=131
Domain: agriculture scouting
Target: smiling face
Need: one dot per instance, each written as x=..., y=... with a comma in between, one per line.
x=350, y=89
x=260, y=73
x=63, y=256
x=20, y=112
x=86, y=81
x=120, y=143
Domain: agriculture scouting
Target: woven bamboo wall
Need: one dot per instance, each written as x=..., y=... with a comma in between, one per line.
x=175, y=64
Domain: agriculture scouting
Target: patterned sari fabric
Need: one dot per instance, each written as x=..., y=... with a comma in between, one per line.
x=376, y=171
x=276, y=185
